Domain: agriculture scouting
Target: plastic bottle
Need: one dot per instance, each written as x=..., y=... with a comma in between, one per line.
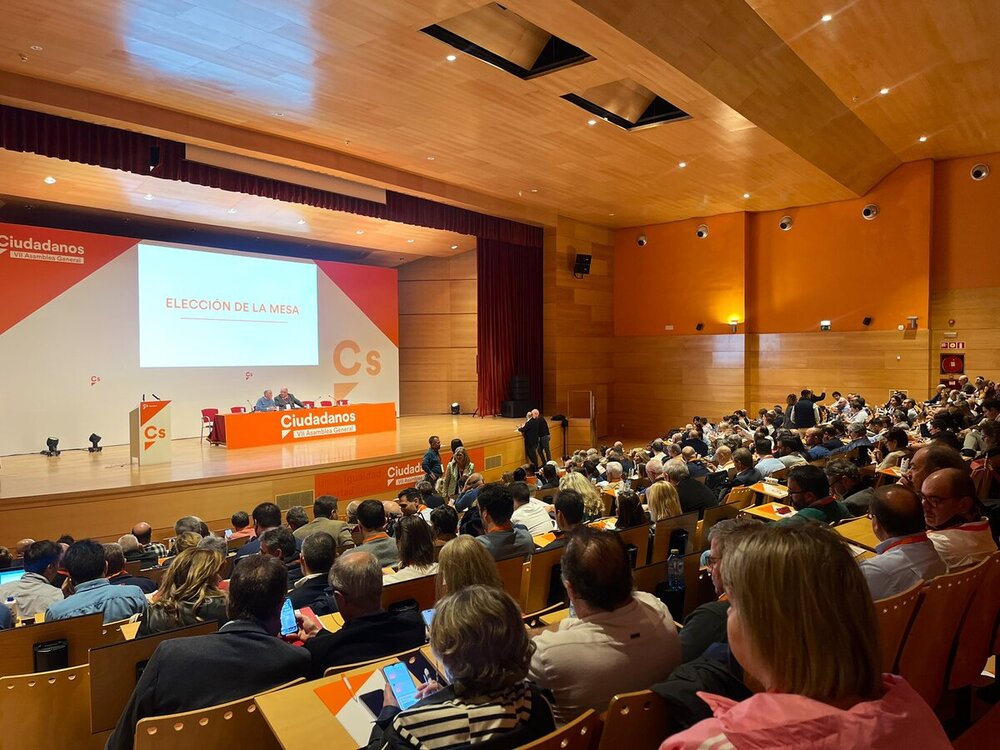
x=675, y=571
x=15, y=610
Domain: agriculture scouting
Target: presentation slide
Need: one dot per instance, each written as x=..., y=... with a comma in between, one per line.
x=207, y=309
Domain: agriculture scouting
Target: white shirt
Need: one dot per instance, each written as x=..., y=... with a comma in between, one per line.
x=860, y=417
x=963, y=545
x=409, y=573
x=588, y=661
x=533, y=516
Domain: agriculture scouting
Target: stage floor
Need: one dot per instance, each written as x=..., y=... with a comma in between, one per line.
x=195, y=461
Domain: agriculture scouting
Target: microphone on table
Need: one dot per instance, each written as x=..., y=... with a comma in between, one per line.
x=155, y=396
x=252, y=407
x=143, y=396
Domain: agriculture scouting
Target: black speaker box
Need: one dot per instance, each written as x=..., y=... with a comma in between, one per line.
x=516, y=409
x=582, y=265
x=520, y=388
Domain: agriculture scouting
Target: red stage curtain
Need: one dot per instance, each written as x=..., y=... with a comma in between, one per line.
x=509, y=294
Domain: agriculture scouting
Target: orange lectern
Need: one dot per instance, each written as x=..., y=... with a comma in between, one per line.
x=149, y=432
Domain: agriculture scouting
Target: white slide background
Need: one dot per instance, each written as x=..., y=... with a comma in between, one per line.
x=48, y=360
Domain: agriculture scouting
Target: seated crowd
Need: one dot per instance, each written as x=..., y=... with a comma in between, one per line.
x=752, y=668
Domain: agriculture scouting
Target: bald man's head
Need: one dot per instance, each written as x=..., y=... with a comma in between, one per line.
x=896, y=511
x=949, y=499
x=143, y=532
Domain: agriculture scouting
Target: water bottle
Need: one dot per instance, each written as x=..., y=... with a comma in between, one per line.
x=675, y=571
x=15, y=611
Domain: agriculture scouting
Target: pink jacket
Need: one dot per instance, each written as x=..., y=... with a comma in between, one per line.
x=900, y=719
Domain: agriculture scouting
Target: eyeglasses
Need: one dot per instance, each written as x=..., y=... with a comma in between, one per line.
x=934, y=499
x=710, y=561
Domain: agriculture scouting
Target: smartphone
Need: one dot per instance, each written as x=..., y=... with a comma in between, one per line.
x=403, y=686
x=428, y=615
x=421, y=668
x=288, y=624
x=228, y=533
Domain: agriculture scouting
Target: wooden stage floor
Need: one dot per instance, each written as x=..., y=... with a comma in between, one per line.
x=194, y=461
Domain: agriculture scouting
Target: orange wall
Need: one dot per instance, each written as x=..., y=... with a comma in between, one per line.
x=833, y=265
x=966, y=225
x=678, y=279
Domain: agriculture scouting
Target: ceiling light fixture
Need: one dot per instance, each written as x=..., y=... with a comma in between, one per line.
x=746, y=195
x=147, y=197
x=454, y=247
x=451, y=58
x=410, y=241
x=359, y=231
x=826, y=18
x=300, y=222
x=231, y=211
x=591, y=122
x=278, y=114
x=682, y=164
x=884, y=90
x=36, y=48
x=50, y=180
x=922, y=139
x=430, y=158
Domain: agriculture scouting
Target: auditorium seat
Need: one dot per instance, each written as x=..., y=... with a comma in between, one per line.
x=637, y=537
x=420, y=590
x=975, y=635
x=894, y=615
x=664, y=533
x=326, y=403
x=540, y=579
x=638, y=721
x=712, y=517
x=208, y=420
x=237, y=409
x=49, y=709
x=580, y=734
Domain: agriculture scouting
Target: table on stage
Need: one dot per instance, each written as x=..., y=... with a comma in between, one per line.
x=252, y=429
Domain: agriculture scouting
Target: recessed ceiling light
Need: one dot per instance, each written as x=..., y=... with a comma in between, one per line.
x=300, y=222
x=36, y=48
x=410, y=241
x=682, y=164
x=278, y=114
x=884, y=90
x=147, y=197
x=231, y=211
x=50, y=180
x=826, y=18
x=454, y=247
x=451, y=58
x=746, y=195
x=430, y=158
x=591, y=122
x=359, y=231
x=922, y=139
x=534, y=190
x=611, y=214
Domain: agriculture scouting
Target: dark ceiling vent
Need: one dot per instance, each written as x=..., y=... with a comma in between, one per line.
x=628, y=105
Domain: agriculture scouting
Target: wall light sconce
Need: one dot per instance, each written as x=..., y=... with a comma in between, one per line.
x=824, y=325
x=913, y=321
x=733, y=324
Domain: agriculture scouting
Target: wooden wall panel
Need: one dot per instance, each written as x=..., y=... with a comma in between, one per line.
x=578, y=317
x=438, y=335
x=662, y=381
x=976, y=313
x=872, y=363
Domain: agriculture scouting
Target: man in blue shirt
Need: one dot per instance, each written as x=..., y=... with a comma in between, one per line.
x=431, y=463
x=86, y=566
x=266, y=402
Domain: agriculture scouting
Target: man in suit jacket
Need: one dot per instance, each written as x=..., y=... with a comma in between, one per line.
x=325, y=519
x=313, y=590
x=244, y=658
x=266, y=516
x=369, y=631
x=530, y=431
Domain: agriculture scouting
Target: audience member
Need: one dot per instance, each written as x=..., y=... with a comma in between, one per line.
x=280, y=543
x=187, y=523
x=530, y=513
x=619, y=640
x=189, y=594
x=134, y=551
x=457, y=472
x=312, y=590
x=242, y=659
x=416, y=550
x=593, y=506
x=746, y=473
x=444, y=526
x=296, y=518
x=241, y=526
x=144, y=533
x=929, y=459
x=693, y=494
x=89, y=591
x=629, y=511
x=846, y=483
x=325, y=519
x=550, y=477
x=954, y=517
x=904, y=554
x=22, y=546
x=465, y=562
x=34, y=591
x=214, y=543
x=501, y=540
x=569, y=516
x=371, y=517
x=369, y=632
x=790, y=451
x=266, y=516
x=818, y=661
x=485, y=651
x=766, y=463
x=427, y=497
x=473, y=486
x=663, y=501
x=815, y=449
x=116, y=573
x=809, y=494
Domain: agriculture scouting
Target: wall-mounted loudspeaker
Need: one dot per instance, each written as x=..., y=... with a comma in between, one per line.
x=867, y=321
x=869, y=212
x=699, y=326
x=786, y=223
x=581, y=267
x=702, y=231
x=980, y=172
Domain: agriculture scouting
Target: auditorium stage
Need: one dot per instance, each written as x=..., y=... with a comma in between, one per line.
x=103, y=494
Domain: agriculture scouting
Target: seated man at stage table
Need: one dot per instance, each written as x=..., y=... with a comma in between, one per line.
x=92, y=592
x=266, y=402
x=245, y=657
x=369, y=632
x=286, y=400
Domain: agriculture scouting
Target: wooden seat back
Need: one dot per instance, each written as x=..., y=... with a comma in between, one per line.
x=638, y=537
x=580, y=734
x=923, y=658
x=80, y=633
x=422, y=590
x=740, y=497
x=237, y=724
x=511, y=574
x=380, y=661
x=540, y=578
x=975, y=635
x=113, y=672
x=48, y=709
x=153, y=574
x=648, y=577
x=713, y=516
x=661, y=537
x=234, y=545
x=637, y=721
x=698, y=586
x=894, y=615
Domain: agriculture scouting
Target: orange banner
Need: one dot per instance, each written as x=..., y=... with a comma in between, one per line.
x=294, y=426
x=352, y=484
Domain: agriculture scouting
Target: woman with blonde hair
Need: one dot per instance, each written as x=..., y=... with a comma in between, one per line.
x=456, y=472
x=464, y=562
x=802, y=623
x=593, y=506
x=189, y=593
x=663, y=501
x=478, y=637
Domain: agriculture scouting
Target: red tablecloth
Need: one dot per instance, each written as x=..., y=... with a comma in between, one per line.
x=218, y=432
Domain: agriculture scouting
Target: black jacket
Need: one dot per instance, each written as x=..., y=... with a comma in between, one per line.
x=530, y=431
x=695, y=496
x=703, y=627
x=157, y=620
x=367, y=638
x=146, y=559
x=186, y=674
x=145, y=584
x=316, y=594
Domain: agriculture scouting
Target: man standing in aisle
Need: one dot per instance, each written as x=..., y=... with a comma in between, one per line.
x=431, y=463
x=529, y=430
x=544, y=437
